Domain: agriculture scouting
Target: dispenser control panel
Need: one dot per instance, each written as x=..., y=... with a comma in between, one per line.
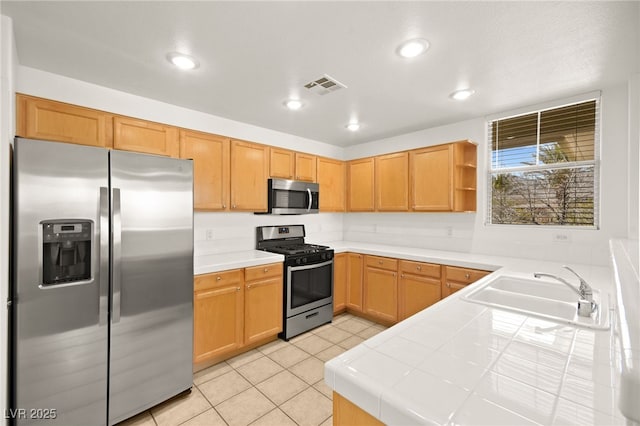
x=66, y=251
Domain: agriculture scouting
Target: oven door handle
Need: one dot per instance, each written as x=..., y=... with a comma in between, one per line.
x=310, y=199
x=314, y=265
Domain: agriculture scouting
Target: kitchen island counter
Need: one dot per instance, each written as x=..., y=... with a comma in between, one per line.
x=459, y=362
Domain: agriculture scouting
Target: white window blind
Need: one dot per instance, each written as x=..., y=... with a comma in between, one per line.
x=545, y=167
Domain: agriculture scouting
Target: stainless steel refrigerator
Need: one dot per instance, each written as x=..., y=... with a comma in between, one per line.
x=101, y=294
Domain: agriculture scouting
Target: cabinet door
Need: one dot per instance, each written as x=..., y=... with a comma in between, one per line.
x=332, y=179
x=305, y=167
x=263, y=309
x=392, y=182
x=130, y=134
x=360, y=180
x=281, y=163
x=354, y=281
x=456, y=278
x=218, y=315
x=416, y=293
x=339, y=282
x=381, y=294
x=431, y=178
x=56, y=121
x=249, y=174
x=210, y=155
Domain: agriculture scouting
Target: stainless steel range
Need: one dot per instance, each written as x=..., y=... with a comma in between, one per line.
x=308, y=277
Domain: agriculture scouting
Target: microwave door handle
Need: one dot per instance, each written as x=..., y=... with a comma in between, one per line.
x=310, y=199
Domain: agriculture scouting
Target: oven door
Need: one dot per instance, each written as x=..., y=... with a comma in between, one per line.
x=308, y=287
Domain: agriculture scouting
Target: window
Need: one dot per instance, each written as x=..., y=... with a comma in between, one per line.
x=544, y=167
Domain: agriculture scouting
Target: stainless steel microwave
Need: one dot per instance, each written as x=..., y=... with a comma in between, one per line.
x=292, y=197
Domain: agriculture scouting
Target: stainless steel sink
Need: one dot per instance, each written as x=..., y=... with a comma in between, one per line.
x=541, y=298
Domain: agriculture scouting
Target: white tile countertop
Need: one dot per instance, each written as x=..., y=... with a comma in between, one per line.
x=233, y=260
x=459, y=362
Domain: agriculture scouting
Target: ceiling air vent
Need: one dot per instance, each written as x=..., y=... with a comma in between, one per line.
x=324, y=85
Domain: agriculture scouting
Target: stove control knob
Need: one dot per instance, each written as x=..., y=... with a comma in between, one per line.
x=323, y=256
x=298, y=261
x=304, y=260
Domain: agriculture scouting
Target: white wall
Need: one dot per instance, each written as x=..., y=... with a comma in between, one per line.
x=467, y=232
x=8, y=61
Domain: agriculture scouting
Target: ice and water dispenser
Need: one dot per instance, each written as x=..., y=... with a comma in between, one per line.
x=66, y=251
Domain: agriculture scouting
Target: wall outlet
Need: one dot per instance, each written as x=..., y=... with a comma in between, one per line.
x=449, y=231
x=560, y=237
x=208, y=234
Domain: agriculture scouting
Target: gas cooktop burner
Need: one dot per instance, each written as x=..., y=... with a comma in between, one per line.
x=297, y=248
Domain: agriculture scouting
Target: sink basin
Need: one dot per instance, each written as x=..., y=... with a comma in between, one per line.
x=538, y=297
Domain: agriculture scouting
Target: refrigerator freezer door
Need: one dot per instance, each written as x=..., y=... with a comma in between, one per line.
x=152, y=312
x=60, y=328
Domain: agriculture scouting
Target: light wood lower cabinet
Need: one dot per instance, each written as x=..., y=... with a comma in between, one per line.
x=235, y=309
x=354, y=282
x=381, y=288
x=218, y=314
x=263, y=302
x=339, y=282
x=38, y=118
x=346, y=413
x=419, y=287
x=456, y=278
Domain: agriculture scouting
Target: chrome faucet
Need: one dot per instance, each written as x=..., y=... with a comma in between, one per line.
x=586, y=305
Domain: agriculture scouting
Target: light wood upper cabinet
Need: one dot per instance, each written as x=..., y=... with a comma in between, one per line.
x=381, y=288
x=130, y=134
x=443, y=177
x=360, y=185
x=392, y=182
x=331, y=178
x=263, y=302
x=218, y=314
x=305, y=167
x=38, y=118
x=210, y=155
x=431, y=178
x=354, y=281
x=339, y=282
x=249, y=174
x=282, y=163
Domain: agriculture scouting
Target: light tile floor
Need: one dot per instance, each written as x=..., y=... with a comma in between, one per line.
x=280, y=383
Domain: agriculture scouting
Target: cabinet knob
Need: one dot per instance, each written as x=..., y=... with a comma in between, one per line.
x=233, y=206
x=419, y=268
x=380, y=262
x=237, y=288
x=224, y=206
x=266, y=270
x=448, y=285
x=249, y=286
x=467, y=275
x=401, y=275
x=218, y=278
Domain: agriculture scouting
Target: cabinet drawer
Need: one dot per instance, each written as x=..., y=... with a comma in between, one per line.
x=381, y=262
x=464, y=275
x=262, y=271
x=217, y=279
x=419, y=268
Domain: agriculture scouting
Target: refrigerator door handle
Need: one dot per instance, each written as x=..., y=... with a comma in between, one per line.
x=116, y=257
x=103, y=288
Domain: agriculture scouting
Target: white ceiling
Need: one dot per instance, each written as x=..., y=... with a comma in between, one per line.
x=254, y=55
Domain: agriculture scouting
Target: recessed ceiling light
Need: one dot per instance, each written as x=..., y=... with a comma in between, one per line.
x=462, y=94
x=413, y=48
x=182, y=61
x=293, y=104
x=353, y=126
